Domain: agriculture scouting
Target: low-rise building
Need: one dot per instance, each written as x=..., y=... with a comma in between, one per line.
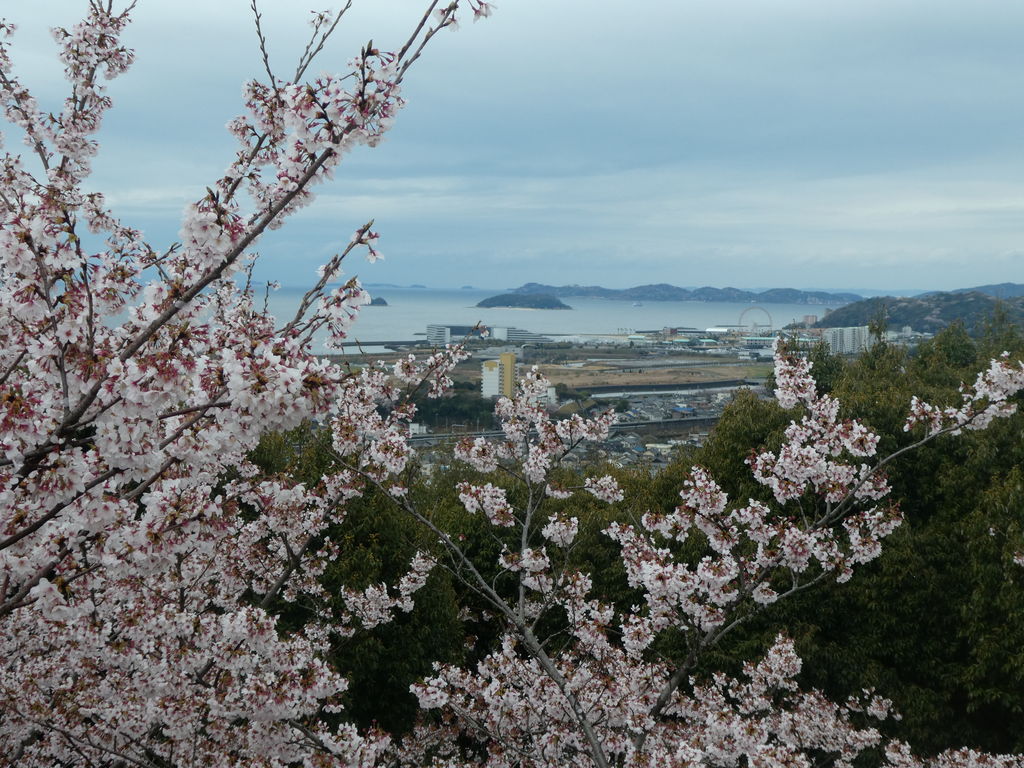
x=440, y=334
x=517, y=335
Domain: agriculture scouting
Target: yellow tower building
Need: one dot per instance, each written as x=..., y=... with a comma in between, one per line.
x=498, y=377
x=508, y=373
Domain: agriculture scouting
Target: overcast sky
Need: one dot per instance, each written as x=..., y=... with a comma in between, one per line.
x=751, y=143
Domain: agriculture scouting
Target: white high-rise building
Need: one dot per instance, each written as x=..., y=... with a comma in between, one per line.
x=847, y=341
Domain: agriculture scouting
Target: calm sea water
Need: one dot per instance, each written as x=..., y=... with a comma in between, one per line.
x=409, y=311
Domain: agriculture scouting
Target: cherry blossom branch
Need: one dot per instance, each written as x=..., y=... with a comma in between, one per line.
x=265, y=55
x=311, y=52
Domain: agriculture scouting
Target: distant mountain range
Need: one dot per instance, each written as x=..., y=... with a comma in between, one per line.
x=999, y=290
x=666, y=292
x=931, y=312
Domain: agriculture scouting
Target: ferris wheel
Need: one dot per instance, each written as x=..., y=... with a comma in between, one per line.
x=755, y=326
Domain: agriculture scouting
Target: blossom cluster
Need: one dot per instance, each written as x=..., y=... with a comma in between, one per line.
x=758, y=719
x=808, y=459
x=987, y=399
x=375, y=605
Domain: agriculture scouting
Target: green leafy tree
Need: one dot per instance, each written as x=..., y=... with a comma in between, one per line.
x=376, y=541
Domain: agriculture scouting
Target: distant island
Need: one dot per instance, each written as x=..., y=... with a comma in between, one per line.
x=378, y=301
x=666, y=292
x=931, y=312
x=524, y=301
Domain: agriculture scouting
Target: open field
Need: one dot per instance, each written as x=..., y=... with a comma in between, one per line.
x=602, y=375
x=582, y=371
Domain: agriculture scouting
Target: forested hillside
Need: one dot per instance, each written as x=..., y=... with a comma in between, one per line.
x=929, y=313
